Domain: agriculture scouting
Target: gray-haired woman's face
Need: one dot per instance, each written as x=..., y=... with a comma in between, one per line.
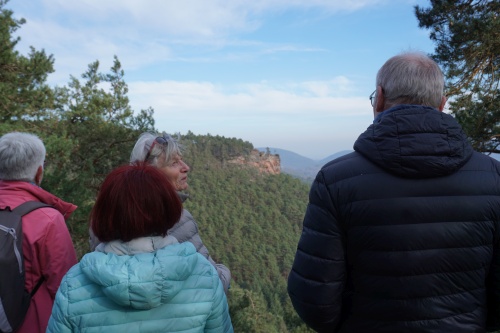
x=176, y=171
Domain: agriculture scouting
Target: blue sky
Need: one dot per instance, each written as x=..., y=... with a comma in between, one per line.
x=289, y=74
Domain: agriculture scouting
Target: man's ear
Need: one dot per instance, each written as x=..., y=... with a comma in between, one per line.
x=380, y=99
x=379, y=102
x=39, y=175
x=443, y=103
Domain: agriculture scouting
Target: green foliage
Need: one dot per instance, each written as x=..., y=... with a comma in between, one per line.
x=479, y=116
x=23, y=91
x=251, y=222
x=467, y=37
x=215, y=149
x=94, y=132
x=250, y=314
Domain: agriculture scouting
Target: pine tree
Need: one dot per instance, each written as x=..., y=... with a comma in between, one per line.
x=24, y=94
x=467, y=37
x=95, y=132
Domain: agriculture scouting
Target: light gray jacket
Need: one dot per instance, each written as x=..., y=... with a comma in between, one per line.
x=186, y=230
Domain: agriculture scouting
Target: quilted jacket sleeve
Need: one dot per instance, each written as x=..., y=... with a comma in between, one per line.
x=186, y=230
x=219, y=320
x=224, y=273
x=316, y=281
x=493, y=320
x=58, y=322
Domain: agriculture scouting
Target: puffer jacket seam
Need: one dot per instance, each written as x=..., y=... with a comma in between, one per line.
x=430, y=249
x=313, y=280
x=416, y=321
x=432, y=273
x=422, y=297
x=317, y=257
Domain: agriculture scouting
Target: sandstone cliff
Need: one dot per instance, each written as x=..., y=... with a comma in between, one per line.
x=263, y=161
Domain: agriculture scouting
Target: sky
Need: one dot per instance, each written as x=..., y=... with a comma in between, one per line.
x=288, y=74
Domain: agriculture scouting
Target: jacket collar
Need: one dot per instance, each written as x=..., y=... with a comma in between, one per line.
x=29, y=191
x=137, y=245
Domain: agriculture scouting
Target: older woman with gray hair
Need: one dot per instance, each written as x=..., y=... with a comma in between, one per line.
x=165, y=152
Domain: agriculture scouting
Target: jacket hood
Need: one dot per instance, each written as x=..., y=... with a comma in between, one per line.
x=143, y=280
x=415, y=141
x=26, y=191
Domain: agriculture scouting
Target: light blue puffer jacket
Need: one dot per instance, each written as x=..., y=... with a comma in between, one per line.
x=186, y=230
x=172, y=289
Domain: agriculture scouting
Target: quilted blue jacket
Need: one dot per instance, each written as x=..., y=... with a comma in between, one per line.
x=171, y=289
x=186, y=230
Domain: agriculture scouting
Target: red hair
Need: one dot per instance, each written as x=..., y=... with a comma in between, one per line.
x=135, y=201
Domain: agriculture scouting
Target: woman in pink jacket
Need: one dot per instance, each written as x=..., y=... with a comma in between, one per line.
x=47, y=246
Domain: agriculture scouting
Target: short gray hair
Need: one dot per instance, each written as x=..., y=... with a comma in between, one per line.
x=411, y=78
x=21, y=154
x=155, y=154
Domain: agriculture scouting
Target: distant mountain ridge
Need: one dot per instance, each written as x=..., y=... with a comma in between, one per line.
x=299, y=166
x=306, y=168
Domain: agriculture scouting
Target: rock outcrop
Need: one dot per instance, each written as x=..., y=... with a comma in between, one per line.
x=263, y=161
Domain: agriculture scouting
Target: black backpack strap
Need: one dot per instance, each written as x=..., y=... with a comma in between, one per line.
x=29, y=206
x=22, y=210
x=39, y=283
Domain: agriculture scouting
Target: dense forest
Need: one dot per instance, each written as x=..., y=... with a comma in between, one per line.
x=249, y=221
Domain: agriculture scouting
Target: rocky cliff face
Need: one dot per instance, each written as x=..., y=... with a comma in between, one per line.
x=263, y=161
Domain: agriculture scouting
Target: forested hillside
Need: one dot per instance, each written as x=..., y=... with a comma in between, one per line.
x=249, y=221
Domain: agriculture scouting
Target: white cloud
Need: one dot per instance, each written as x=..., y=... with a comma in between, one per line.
x=147, y=32
x=200, y=98
x=262, y=113
x=193, y=18
x=74, y=49
x=206, y=18
x=80, y=32
x=339, y=86
x=259, y=113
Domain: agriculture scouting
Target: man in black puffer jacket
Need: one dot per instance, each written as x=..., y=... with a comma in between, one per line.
x=402, y=235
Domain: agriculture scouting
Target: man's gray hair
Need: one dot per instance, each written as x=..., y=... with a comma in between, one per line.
x=155, y=154
x=411, y=78
x=21, y=154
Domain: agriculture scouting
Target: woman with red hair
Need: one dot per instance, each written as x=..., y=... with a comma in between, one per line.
x=140, y=279
x=165, y=153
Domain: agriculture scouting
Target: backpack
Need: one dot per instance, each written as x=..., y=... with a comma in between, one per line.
x=14, y=299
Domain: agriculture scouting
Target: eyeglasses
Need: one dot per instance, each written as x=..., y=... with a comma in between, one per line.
x=372, y=97
x=162, y=140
